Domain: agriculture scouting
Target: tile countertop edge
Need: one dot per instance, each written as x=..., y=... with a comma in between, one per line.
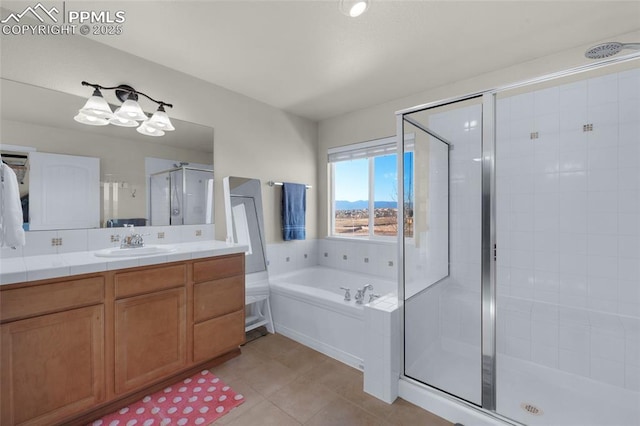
x=31, y=268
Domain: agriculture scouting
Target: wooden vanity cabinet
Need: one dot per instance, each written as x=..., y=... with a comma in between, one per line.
x=51, y=364
x=76, y=348
x=218, y=306
x=150, y=325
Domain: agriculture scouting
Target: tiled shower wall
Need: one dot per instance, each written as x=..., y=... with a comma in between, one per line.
x=568, y=227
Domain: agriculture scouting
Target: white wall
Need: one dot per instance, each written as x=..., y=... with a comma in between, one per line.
x=378, y=121
x=251, y=139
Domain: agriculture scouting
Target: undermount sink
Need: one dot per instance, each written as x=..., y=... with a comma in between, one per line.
x=137, y=251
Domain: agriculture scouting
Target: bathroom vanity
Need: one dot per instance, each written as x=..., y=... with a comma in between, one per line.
x=76, y=347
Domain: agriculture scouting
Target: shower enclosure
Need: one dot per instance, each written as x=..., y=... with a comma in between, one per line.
x=521, y=248
x=181, y=196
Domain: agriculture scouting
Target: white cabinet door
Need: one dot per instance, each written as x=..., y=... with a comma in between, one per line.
x=64, y=191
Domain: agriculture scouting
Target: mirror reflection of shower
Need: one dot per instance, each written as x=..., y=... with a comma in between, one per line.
x=182, y=195
x=175, y=200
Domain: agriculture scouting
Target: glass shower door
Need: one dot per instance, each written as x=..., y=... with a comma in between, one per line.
x=538, y=316
x=442, y=247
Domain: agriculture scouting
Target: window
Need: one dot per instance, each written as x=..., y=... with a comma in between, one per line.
x=364, y=189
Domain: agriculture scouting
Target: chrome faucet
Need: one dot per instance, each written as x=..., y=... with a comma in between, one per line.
x=360, y=293
x=133, y=240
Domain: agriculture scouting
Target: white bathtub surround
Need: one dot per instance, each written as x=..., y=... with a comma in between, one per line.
x=291, y=255
x=382, y=348
x=309, y=307
x=373, y=257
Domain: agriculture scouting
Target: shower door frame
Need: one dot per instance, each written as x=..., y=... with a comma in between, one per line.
x=182, y=169
x=488, y=282
x=488, y=227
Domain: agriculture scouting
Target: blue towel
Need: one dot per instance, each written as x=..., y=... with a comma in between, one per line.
x=294, y=206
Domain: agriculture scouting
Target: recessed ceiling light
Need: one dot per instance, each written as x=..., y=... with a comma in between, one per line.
x=354, y=8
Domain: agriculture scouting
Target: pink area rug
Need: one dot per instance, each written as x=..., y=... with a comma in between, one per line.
x=198, y=400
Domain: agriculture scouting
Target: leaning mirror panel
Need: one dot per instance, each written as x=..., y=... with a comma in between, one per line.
x=244, y=219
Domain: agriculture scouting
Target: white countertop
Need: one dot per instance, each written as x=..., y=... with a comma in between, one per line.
x=32, y=268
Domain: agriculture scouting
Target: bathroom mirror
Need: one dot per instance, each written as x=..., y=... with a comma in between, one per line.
x=244, y=219
x=40, y=119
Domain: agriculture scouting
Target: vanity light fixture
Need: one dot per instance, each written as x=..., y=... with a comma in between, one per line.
x=354, y=8
x=97, y=112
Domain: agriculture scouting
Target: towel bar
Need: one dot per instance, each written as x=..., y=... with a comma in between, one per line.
x=272, y=183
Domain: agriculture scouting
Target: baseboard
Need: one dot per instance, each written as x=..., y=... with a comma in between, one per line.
x=321, y=347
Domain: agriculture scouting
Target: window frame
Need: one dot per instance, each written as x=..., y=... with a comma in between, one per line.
x=370, y=146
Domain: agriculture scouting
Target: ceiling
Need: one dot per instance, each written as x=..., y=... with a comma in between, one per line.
x=305, y=57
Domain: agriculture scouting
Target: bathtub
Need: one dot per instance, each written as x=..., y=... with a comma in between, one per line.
x=308, y=306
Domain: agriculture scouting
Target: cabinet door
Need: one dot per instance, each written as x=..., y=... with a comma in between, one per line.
x=64, y=191
x=52, y=366
x=150, y=338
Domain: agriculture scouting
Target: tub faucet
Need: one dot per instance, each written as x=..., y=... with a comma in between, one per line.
x=347, y=293
x=360, y=293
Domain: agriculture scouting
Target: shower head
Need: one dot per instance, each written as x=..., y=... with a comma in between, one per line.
x=610, y=48
x=182, y=164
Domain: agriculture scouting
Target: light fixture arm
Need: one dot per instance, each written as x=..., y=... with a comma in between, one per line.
x=129, y=90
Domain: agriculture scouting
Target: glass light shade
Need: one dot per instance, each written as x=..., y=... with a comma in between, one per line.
x=160, y=121
x=147, y=130
x=354, y=8
x=96, y=106
x=91, y=120
x=130, y=110
x=123, y=122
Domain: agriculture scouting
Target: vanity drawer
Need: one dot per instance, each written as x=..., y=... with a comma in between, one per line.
x=149, y=280
x=48, y=298
x=218, y=336
x=214, y=298
x=222, y=267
